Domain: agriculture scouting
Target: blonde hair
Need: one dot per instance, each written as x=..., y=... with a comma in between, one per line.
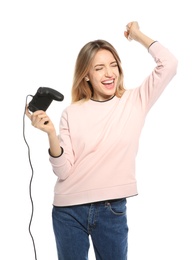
x=82, y=89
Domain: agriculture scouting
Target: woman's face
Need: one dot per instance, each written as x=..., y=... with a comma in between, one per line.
x=103, y=75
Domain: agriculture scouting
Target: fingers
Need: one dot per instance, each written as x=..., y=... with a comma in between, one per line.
x=132, y=25
x=39, y=118
x=127, y=34
x=131, y=28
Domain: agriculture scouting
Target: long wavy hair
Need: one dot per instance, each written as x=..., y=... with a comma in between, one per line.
x=82, y=89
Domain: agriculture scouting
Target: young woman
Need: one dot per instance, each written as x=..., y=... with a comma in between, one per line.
x=93, y=156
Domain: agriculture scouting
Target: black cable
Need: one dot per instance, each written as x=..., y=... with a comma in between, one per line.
x=30, y=183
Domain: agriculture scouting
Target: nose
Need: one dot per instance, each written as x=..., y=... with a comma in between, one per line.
x=108, y=72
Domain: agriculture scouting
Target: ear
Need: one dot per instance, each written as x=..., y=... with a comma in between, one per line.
x=86, y=78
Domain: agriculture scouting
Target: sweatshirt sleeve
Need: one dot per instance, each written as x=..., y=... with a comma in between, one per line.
x=155, y=83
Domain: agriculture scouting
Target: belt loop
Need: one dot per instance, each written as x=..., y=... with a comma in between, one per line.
x=107, y=203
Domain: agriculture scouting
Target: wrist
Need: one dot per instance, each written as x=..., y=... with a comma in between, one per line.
x=144, y=39
x=52, y=134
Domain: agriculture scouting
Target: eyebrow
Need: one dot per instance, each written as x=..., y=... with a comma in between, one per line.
x=97, y=65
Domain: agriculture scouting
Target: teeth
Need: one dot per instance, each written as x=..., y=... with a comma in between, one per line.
x=108, y=82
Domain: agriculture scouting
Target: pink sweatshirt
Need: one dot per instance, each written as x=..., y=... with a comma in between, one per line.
x=100, y=139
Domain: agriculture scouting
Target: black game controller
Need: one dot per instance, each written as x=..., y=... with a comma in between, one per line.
x=43, y=98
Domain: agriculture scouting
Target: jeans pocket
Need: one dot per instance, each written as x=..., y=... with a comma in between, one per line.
x=117, y=207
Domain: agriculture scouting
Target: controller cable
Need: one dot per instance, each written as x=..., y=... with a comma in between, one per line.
x=31, y=179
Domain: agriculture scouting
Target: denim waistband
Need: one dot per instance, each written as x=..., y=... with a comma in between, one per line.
x=95, y=202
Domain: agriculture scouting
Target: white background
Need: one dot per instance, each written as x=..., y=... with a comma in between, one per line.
x=39, y=42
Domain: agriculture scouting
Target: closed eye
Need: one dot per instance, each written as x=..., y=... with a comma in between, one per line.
x=113, y=65
x=99, y=68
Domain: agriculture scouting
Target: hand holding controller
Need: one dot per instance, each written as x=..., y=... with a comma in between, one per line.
x=43, y=98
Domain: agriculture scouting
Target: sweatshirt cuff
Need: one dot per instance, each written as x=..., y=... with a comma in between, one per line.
x=56, y=156
x=151, y=45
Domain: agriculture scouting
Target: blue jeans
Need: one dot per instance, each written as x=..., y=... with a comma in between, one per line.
x=105, y=222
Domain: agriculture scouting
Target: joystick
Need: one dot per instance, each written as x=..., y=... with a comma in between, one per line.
x=43, y=98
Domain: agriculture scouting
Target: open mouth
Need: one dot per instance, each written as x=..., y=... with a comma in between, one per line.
x=108, y=83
